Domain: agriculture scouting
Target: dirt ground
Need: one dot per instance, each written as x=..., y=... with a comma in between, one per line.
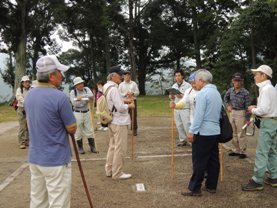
x=151, y=166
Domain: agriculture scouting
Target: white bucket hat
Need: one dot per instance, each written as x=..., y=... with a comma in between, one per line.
x=25, y=78
x=77, y=80
x=48, y=63
x=264, y=69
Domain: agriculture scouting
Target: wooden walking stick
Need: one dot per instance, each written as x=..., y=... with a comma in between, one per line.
x=81, y=170
x=133, y=130
x=172, y=139
x=221, y=162
x=91, y=109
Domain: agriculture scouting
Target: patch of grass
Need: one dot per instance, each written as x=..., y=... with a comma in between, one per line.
x=153, y=106
x=7, y=113
x=147, y=106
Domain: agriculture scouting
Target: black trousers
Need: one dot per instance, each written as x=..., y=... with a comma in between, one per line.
x=205, y=159
x=135, y=116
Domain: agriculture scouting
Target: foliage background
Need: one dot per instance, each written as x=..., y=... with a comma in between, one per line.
x=145, y=36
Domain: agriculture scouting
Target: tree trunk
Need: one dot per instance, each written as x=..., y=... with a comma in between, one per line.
x=195, y=39
x=253, y=53
x=20, y=54
x=142, y=64
x=107, y=54
x=141, y=78
x=131, y=41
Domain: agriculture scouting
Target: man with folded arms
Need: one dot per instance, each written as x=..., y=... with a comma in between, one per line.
x=237, y=101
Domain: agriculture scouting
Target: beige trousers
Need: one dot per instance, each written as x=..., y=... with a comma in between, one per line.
x=117, y=150
x=50, y=186
x=237, y=119
x=84, y=125
x=23, y=135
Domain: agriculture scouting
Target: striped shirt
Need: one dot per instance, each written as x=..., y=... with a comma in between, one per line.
x=238, y=100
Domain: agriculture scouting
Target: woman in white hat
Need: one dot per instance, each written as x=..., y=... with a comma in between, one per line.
x=23, y=136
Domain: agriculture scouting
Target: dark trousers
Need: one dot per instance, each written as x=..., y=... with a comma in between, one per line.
x=135, y=115
x=205, y=159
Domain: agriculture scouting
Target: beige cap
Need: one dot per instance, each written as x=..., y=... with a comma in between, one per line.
x=77, y=80
x=25, y=78
x=264, y=69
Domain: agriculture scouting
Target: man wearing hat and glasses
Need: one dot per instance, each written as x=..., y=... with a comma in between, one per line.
x=80, y=99
x=21, y=92
x=118, y=128
x=50, y=120
x=129, y=89
x=266, y=153
x=237, y=101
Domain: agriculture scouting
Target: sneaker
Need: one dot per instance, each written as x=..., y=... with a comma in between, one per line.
x=100, y=128
x=212, y=191
x=22, y=146
x=270, y=181
x=109, y=174
x=233, y=154
x=242, y=156
x=252, y=186
x=124, y=176
x=182, y=143
x=191, y=193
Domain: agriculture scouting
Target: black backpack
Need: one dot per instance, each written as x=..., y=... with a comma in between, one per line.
x=226, y=130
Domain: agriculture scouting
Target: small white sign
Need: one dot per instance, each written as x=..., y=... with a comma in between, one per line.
x=140, y=187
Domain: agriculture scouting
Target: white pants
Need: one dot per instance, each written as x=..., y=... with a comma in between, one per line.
x=50, y=186
x=84, y=125
x=182, y=122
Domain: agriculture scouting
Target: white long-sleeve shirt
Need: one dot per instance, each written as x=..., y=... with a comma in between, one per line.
x=267, y=100
x=20, y=96
x=182, y=88
x=113, y=97
x=125, y=87
x=188, y=101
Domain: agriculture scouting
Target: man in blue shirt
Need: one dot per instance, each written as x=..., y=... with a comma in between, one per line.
x=50, y=119
x=204, y=133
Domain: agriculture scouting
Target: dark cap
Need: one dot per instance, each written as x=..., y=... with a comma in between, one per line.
x=237, y=76
x=127, y=72
x=116, y=69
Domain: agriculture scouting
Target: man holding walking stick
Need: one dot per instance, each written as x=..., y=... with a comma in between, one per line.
x=129, y=89
x=50, y=119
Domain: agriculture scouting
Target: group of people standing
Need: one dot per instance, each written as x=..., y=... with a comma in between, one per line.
x=197, y=112
x=205, y=105
x=51, y=117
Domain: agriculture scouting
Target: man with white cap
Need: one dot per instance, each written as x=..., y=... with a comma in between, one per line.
x=50, y=120
x=266, y=154
x=80, y=99
x=118, y=128
x=21, y=92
